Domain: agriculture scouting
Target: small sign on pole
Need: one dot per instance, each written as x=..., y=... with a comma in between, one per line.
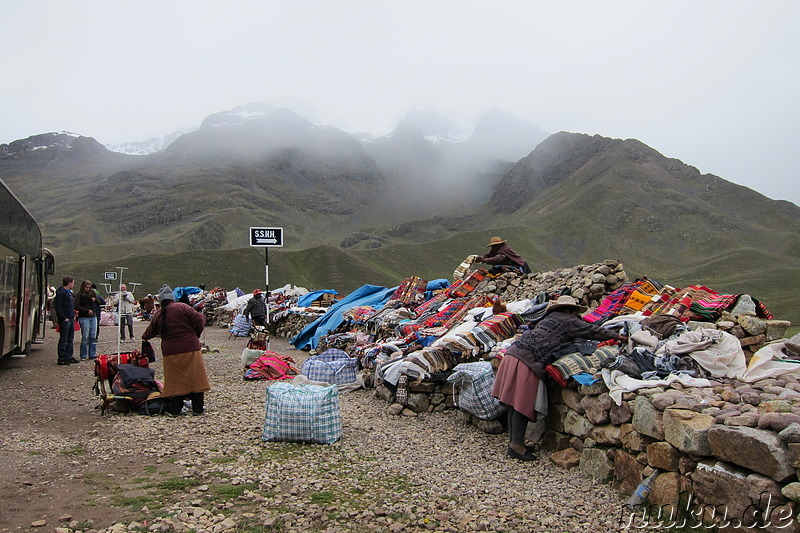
x=266, y=237
x=109, y=276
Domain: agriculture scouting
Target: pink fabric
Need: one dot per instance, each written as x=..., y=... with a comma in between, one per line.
x=516, y=385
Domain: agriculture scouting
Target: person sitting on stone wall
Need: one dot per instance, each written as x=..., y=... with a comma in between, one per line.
x=503, y=258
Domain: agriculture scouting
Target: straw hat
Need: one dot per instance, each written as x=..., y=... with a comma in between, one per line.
x=565, y=301
x=495, y=240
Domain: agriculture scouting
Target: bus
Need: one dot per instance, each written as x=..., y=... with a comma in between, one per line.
x=24, y=269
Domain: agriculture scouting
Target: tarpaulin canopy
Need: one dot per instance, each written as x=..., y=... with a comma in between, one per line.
x=371, y=295
x=308, y=299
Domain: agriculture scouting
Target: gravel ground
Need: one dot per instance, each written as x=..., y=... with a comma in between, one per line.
x=68, y=468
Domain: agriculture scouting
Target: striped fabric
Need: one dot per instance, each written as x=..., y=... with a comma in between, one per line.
x=410, y=291
x=575, y=363
x=302, y=413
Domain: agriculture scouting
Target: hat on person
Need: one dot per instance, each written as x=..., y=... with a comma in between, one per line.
x=256, y=291
x=565, y=301
x=495, y=240
x=165, y=293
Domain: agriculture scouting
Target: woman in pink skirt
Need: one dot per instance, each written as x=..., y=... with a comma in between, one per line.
x=519, y=378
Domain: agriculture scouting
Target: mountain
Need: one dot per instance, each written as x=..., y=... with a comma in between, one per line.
x=357, y=210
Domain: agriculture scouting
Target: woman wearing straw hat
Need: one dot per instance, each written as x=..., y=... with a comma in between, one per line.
x=502, y=258
x=519, y=384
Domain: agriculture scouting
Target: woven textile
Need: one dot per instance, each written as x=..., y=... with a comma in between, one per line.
x=271, y=366
x=411, y=291
x=475, y=382
x=575, y=363
x=302, y=413
x=331, y=366
x=642, y=290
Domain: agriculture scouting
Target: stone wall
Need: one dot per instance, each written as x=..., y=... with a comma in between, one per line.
x=735, y=445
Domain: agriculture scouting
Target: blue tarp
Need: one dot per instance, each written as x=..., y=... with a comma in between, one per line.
x=371, y=295
x=180, y=291
x=308, y=299
x=435, y=285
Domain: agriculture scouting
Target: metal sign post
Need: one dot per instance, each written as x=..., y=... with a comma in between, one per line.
x=266, y=238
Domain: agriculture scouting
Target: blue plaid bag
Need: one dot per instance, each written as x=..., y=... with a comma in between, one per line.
x=475, y=382
x=302, y=413
x=331, y=366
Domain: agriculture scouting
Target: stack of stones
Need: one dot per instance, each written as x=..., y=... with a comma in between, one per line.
x=291, y=324
x=734, y=445
x=589, y=284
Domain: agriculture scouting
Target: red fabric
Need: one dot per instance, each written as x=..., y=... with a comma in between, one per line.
x=556, y=375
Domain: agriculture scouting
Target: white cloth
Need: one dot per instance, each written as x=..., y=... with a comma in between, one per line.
x=717, y=351
x=768, y=362
x=620, y=382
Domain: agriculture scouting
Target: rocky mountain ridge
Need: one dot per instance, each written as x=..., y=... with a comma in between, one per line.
x=356, y=212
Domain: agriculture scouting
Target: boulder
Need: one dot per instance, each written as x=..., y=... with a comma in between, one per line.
x=596, y=408
x=647, y=419
x=663, y=455
x=627, y=472
x=687, y=430
x=759, y=450
x=595, y=462
x=567, y=458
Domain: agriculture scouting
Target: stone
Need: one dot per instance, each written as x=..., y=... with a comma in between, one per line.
x=606, y=434
x=687, y=431
x=753, y=340
x=620, y=414
x=744, y=419
x=595, y=462
x=744, y=306
x=577, y=425
x=776, y=329
x=752, y=325
x=493, y=427
x=793, y=344
x=555, y=440
x=596, y=408
x=593, y=389
x=647, y=419
x=418, y=402
x=763, y=488
x=756, y=449
x=716, y=483
x=572, y=399
x=631, y=439
x=567, y=458
x=664, y=399
x=778, y=421
x=792, y=491
x=668, y=488
x=627, y=472
x=663, y=455
x=686, y=465
x=775, y=406
x=791, y=433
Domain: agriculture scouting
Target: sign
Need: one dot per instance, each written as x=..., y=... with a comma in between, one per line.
x=110, y=275
x=266, y=237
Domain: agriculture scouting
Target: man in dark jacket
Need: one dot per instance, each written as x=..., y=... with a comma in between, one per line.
x=256, y=309
x=64, y=306
x=503, y=258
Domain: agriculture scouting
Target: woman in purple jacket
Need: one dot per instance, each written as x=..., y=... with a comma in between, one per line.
x=179, y=327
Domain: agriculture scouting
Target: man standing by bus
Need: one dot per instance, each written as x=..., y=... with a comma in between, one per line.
x=64, y=305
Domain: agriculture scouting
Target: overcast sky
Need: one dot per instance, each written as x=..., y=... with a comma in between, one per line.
x=713, y=83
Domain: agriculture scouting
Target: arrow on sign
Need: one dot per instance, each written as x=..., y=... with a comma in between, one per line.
x=266, y=241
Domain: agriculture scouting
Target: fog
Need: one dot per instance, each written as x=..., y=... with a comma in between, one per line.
x=712, y=83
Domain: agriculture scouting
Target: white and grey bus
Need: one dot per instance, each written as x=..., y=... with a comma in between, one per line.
x=24, y=268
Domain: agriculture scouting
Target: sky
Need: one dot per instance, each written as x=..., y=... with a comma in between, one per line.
x=714, y=83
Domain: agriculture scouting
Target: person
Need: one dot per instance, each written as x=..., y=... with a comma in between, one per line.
x=502, y=258
x=256, y=309
x=147, y=305
x=179, y=327
x=85, y=302
x=64, y=306
x=124, y=304
x=519, y=382
x=98, y=309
